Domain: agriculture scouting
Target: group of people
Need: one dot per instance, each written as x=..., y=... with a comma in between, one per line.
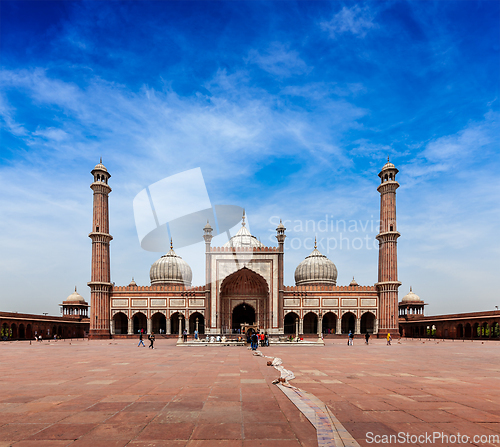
x=254, y=339
x=257, y=337
x=350, y=338
x=151, y=338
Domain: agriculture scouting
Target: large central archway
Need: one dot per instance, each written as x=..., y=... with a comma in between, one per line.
x=242, y=314
x=244, y=296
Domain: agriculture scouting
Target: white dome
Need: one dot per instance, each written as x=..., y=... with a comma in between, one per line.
x=76, y=298
x=171, y=269
x=316, y=269
x=411, y=297
x=243, y=238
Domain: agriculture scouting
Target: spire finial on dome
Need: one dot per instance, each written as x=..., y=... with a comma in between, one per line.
x=243, y=218
x=100, y=160
x=315, y=244
x=410, y=289
x=387, y=159
x=171, y=244
x=75, y=288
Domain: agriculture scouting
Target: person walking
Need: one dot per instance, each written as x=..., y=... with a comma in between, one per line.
x=185, y=335
x=350, y=339
x=151, y=338
x=266, y=339
x=389, y=339
x=255, y=341
x=195, y=334
x=367, y=337
x=140, y=340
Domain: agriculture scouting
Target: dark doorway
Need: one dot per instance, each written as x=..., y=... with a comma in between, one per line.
x=159, y=323
x=174, y=323
x=140, y=322
x=310, y=323
x=120, y=322
x=289, y=326
x=329, y=323
x=468, y=331
x=243, y=313
x=348, y=321
x=367, y=323
x=192, y=323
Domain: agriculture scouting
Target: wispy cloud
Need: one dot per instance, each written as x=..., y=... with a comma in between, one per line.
x=474, y=145
x=356, y=20
x=278, y=60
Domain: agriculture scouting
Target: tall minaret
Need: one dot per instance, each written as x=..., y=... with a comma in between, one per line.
x=280, y=316
x=100, y=284
x=388, y=256
x=207, y=235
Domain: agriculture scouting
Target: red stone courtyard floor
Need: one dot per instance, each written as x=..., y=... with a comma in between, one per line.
x=111, y=393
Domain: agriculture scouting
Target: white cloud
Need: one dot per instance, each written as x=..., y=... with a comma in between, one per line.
x=356, y=20
x=9, y=122
x=476, y=143
x=317, y=91
x=476, y=137
x=279, y=61
x=51, y=133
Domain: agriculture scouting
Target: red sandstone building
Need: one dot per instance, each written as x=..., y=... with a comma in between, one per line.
x=413, y=323
x=244, y=284
x=73, y=324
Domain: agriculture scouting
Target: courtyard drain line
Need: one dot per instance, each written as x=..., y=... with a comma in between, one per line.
x=329, y=431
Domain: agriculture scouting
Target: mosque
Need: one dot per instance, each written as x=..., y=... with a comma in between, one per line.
x=244, y=284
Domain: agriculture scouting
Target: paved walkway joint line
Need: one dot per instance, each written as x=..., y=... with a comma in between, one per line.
x=330, y=432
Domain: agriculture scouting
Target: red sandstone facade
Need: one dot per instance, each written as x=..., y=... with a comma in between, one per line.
x=17, y=326
x=480, y=325
x=249, y=289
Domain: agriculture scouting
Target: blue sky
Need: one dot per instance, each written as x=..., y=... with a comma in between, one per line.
x=290, y=109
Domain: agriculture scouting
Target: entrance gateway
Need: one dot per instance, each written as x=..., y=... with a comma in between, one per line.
x=244, y=300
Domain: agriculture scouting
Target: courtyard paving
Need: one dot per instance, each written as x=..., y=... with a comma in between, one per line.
x=112, y=393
